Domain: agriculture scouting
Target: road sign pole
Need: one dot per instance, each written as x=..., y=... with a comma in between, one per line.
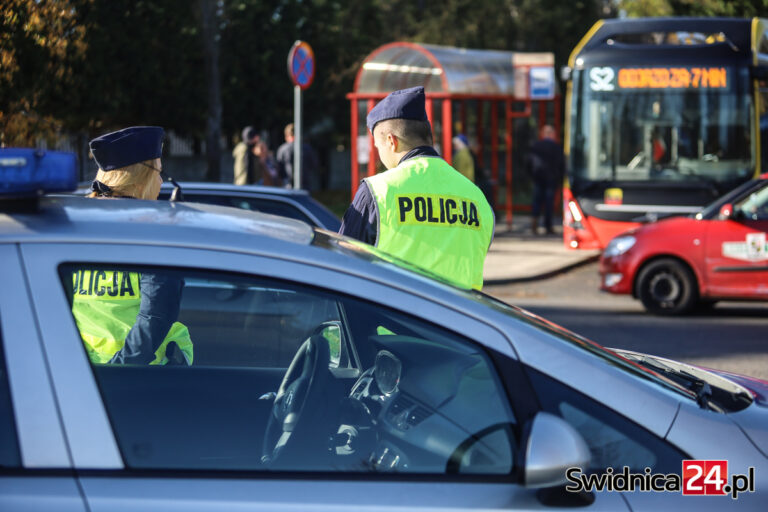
x=301, y=69
x=296, y=137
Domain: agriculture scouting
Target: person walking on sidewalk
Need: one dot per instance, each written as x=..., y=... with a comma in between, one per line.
x=248, y=169
x=545, y=164
x=310, y=178
x=421, y=209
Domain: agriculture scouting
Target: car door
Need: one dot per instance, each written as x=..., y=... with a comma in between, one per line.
x=35, y=468
x=737, y=249
x=157, y=436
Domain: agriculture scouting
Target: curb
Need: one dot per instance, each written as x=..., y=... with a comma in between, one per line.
x=544, y=275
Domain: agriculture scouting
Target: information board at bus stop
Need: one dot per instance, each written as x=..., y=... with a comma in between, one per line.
x=301, y=69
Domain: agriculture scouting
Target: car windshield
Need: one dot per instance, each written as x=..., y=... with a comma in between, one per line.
x=627, y=130
x=609, y=356
x=371, y=254
x=714, y=208
x=350, y=246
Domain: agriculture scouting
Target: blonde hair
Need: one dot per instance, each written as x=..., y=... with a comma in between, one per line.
x=138, y=180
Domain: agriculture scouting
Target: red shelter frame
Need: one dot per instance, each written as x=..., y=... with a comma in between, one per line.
x=513, y=107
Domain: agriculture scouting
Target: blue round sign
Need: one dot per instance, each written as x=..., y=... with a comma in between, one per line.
x=301, y=64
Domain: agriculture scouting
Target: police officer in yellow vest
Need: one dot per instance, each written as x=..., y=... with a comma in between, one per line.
x=421, y=209
x=127, y=317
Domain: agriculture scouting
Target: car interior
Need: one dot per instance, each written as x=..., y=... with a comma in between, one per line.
x=289, y=378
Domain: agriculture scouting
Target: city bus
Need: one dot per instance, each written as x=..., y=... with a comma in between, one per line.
x=663, y=115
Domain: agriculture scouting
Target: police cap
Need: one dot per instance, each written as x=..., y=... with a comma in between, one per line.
x=127, y=146
x=402, y=104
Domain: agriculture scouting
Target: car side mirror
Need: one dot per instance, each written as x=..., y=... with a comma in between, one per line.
x=331, y=332
x=553, y=446
x=726, y=211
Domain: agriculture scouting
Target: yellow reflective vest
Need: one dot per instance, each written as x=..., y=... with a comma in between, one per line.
x=432, y=216
x=105, y=306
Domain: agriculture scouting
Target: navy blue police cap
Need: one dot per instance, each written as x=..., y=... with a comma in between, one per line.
x=127, y=146
x=402, y=104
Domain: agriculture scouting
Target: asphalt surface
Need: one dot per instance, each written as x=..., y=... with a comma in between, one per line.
x=516, y=255
x=731, y=336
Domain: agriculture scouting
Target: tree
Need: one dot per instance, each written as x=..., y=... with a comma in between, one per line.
x=90, y=66
x=209, y=21
x=143, y=65
x=40, y=42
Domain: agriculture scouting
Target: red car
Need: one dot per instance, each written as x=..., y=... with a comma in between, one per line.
x=676, y=264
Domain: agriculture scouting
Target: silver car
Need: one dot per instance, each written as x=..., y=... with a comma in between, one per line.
x=327, y=377
x=294, y=204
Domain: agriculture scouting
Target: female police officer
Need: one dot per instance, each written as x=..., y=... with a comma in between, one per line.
x=129, y=317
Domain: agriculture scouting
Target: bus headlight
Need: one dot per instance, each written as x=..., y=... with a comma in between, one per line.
x=619, y=245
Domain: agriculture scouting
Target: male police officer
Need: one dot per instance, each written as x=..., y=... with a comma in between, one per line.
x=421, y=210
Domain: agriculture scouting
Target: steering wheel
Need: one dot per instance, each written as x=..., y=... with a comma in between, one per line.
x=296, y=403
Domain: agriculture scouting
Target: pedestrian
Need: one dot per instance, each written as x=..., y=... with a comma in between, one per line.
x=421, y=209
x=131, y=317
x=545, y=164
x=266, y=162
x=309, y=164
x=247, y=167
x=463, y=159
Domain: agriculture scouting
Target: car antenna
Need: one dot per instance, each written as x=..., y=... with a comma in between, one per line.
x=176, y=194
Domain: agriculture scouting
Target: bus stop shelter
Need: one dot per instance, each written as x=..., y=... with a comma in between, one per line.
x=478, y=93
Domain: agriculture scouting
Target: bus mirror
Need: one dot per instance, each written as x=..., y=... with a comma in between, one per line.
x=760, y=72
x=726, y=211
x=565, y=73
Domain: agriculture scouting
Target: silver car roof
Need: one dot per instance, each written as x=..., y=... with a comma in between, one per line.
x=65, y=218
x=75, y=219
x=229, y=187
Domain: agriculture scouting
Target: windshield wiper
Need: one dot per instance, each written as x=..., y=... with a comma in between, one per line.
x=702, y=390
x=691, y=176
x=704, y=395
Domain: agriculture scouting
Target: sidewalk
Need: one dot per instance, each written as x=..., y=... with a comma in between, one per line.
x=517, y=256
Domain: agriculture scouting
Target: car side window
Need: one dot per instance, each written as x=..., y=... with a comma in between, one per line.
x=285, y=377
x=613, y=440
x=271, y=207
x=754, y=206
x=9, y=445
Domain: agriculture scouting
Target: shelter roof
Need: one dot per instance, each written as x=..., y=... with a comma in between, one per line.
x=446, y=69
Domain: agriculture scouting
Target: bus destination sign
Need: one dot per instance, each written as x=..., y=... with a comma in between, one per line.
x=610, y=79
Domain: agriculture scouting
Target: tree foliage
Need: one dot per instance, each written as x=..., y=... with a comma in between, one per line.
x=40, y=44
x=144, y=66
x=90, y=66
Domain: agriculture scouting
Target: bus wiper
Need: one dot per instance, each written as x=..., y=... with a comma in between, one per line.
x=725, y=39
x=688, y=172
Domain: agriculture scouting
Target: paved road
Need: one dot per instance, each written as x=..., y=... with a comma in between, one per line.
x=732, y=336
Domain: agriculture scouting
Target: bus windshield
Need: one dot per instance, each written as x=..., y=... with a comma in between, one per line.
x=640, y=131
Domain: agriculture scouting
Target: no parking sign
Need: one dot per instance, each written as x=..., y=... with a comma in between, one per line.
x=301, y=64
x=301, y=69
